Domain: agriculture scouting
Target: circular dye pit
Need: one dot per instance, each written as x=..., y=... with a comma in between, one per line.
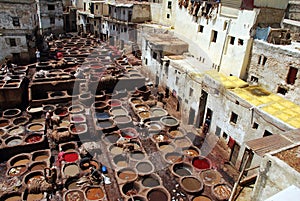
x=78, y=118
x=35, y=127
x=169, y=121
x=144, y=114
x=16, y=130
x=201, y=198
x=173, y=157
x=152, y=125
x=210, y=177
x=46, y=108
x=118, y=111
x=191, y=184
x=19, y=121
x=102, y=115
x=158, y=112
x=201, y=163
x=71, y=157
x=114, y=149
x=191, y=151
x=75, y=109
x=137, y=155
x=72, y=184
x=166, y=147
x=182, y=142
x=111, y=138
x=74, y=195
x=130, y=189
x=100, y=106
x=127, y=174
x=141, y=107
x=17, y=170
x=176, y=133
x=182, y=169
x=122, y=119
x=38, y=166
x=35, y=110
x=19, y=160
x=114, y=103
x=33, y=138
x=13, y=141
x=150, y=181
x=221, y=191
x=129, y=133
x=120, y=160
x=62, y=112
x=160, y=138
x=40, y=156
x=136, y=101
x=145, y=167
x=10, y=113
x=57, y=94
x=105, y=123
x=71, y=170
x=94, y=193
x=78, y=128
x=157, y=194
x=29, y=178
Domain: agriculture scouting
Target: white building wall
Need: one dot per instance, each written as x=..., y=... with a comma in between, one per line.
x=234, y=61
x=274, y=178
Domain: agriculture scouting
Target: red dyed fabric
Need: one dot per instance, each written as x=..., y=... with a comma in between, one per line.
x=231, y=142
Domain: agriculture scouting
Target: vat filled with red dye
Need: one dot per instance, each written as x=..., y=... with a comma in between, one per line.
x=33, y=138
x=71, y=157
x=201, y=163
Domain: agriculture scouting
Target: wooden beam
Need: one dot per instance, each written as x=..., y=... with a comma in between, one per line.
x=248, y=180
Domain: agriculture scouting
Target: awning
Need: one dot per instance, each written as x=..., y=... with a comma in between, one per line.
x=267, y=144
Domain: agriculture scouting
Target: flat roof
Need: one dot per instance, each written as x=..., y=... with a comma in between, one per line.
x=290, y=156
x=165, y=39
x=272, y=104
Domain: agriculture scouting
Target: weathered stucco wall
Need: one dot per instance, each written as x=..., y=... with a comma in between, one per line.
x=274, y=176
x=155, y=9
x=274, y=72
x=141, y=13
x=46, y=15
x=25, y=15
x=270, y=16
x=293, y=10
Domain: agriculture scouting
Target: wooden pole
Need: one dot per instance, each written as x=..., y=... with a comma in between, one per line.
x=231, y=198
